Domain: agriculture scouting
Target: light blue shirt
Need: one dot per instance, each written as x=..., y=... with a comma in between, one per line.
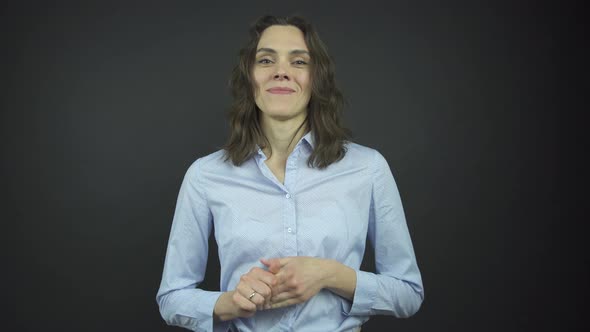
x=322, y=213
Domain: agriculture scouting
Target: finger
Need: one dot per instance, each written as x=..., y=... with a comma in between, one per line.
x=258, y=285
x=255, y=300
x=273, y=264
x=260, y=302
x=263, y=294
x=260, y=298
x=281, y=297
x=244, y=290
x=267, y=277
x=262, y=289
x=282, y=304
x=281, y=288
x=259, y=280
x=243, y=304
x=254, y=290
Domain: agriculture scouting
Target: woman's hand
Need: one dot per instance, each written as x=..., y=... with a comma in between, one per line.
x=298, y=279
x=252, y=293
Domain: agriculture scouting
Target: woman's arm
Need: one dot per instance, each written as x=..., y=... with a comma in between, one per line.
x=396, y=289
x=180, y=302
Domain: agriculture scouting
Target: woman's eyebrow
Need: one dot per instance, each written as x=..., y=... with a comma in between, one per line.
x=270, y=50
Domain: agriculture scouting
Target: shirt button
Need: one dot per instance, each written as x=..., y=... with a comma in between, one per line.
x=289, y=230
x=288, y=195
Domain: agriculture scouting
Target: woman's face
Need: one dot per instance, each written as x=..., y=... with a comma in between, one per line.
x=282, y=73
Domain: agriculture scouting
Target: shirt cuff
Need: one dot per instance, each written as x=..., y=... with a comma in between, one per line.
x=205, y=303
x=364, y=295
x=209, y=302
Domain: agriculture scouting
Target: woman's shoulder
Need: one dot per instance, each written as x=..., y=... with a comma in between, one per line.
x=367, y=155
x=358, y=151
x=207, y=163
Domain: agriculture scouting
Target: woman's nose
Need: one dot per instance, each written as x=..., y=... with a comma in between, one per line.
x=280, y=76
x=281, y=73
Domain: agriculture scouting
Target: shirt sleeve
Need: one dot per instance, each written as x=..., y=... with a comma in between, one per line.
x=396, y=287
x=180, y=302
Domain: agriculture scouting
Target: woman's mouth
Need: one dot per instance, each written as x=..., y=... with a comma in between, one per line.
x=281, y=90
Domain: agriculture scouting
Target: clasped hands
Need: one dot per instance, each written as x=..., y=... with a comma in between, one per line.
x=285, y=282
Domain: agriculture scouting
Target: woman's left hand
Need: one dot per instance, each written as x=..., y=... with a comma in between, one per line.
x=299, y=278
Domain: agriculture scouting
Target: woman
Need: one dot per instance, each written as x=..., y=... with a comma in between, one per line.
x=292, y=202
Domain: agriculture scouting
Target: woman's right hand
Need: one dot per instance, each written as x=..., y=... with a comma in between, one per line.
x=252, y=293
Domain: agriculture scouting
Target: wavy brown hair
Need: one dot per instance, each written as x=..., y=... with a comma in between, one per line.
x=323, y=110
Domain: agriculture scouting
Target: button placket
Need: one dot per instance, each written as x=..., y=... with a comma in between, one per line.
x=290, y=227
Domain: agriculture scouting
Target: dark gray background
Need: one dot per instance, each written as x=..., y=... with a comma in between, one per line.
x=474, y=105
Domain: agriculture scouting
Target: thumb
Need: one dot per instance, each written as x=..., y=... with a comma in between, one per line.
x=273, y=264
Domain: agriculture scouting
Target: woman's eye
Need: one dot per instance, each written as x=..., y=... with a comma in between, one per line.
x=300, y=62
x=264, y=61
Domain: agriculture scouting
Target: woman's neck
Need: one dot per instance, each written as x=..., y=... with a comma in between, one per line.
x=283, y=135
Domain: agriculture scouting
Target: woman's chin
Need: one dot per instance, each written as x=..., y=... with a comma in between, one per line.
x=283, y=114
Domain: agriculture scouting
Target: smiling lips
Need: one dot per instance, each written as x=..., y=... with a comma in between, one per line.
x=281, y=90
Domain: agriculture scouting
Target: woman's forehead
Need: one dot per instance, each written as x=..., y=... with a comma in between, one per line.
x=282, y=38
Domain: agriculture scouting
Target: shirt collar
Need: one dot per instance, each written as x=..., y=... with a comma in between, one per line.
x=308, y=138
x=260, y=154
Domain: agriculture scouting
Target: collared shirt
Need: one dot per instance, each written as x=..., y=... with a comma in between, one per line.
x=326, y=213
